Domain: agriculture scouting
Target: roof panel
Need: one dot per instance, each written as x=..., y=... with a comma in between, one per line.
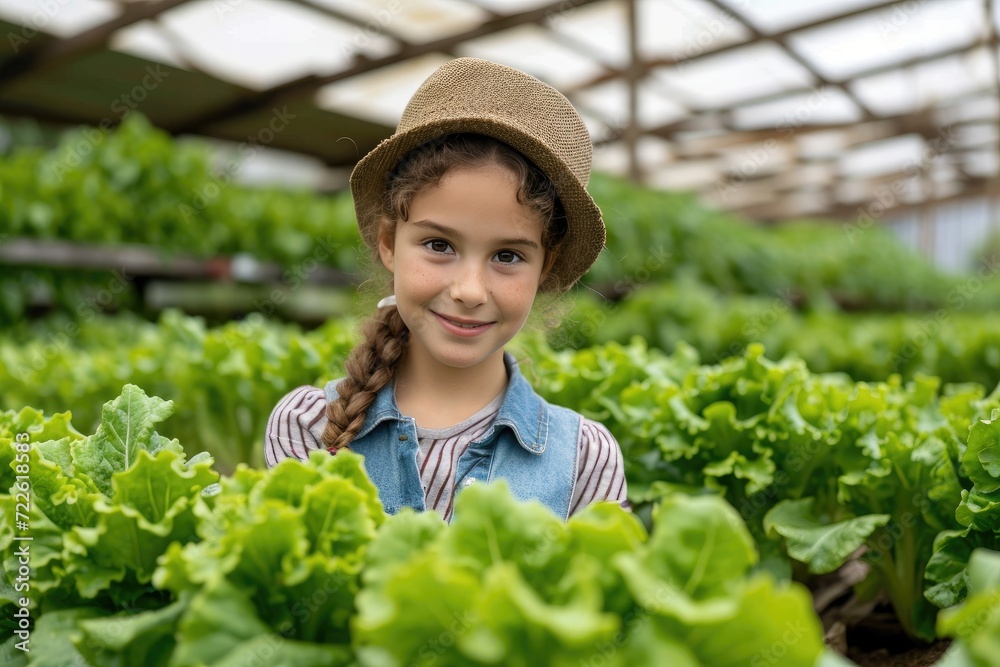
x=657, y=109
x=381, y=95
x=531, y=48
x=63, y=18
x=824, y=105
x=772, y=16
x=842, y=49
x=416, y=21
x=685, y=28
x=891, y=155
x=147, y=39
x=740, y=74
x=983, y=163
x=901, y=91
x=610, y=100
x=509, y=6
x=259, y=43
x=601, y=26
x=692, y=175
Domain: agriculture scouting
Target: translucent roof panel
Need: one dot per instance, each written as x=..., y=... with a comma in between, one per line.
x=62, y=18
x=380, y=96
x=258, y=43
x=610, y=102
x=415, y=22
x=508, y=6
x=601, y=27
x=883, y=157
x=736, y=75
x=822, y=105
x=899, y=91
x=772, y=16
x=897, y=33
x=532, y=48
x=685, y=28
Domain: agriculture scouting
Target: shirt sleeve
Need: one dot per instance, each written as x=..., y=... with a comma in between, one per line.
x=600, y=468
x=295, y=426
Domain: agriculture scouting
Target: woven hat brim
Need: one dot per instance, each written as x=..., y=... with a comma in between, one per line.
x=585, y=236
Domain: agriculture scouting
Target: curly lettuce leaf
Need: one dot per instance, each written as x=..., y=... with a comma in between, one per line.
x=126, y=428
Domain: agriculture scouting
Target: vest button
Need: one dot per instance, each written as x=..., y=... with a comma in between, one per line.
x=403, y=438
x=469, y=482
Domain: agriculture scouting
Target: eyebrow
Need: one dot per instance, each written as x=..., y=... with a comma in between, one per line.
x=454, y=233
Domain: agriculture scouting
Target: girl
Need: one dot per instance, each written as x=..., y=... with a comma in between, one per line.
x=475, y=204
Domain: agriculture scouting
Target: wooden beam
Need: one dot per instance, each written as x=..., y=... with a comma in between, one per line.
x=35, y=59
x=310, y=83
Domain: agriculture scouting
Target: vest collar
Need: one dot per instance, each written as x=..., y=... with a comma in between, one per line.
x=522, y=410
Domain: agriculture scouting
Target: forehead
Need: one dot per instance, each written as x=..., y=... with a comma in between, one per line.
x=478, y=202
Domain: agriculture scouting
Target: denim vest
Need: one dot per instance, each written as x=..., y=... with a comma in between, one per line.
x=531, y=444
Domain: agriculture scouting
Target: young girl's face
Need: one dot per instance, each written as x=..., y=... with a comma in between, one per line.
x=466, y=266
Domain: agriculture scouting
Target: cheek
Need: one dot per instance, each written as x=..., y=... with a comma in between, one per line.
x=519, y=297
x=415, y=278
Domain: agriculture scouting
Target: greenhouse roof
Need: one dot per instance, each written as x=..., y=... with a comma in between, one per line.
x=772, y=108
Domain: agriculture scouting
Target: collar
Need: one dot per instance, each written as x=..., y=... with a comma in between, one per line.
x=522, y=410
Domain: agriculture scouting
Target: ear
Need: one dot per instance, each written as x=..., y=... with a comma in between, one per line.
x=386, y=252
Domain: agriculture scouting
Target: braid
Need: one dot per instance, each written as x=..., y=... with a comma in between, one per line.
x=370, y=367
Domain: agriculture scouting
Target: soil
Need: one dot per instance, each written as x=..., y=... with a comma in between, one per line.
x=914, y=657
x=867, y=632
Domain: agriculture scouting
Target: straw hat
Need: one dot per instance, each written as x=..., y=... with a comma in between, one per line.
x=474, y=95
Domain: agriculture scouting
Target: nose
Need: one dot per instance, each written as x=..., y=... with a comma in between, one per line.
x=469, y=285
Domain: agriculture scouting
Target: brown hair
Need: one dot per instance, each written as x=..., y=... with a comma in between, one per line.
x=372, y=364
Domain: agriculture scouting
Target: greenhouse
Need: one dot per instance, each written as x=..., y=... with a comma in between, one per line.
x=385, y=333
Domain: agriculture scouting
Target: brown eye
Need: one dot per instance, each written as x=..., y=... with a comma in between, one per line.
x=438, y=245
x=507, y=257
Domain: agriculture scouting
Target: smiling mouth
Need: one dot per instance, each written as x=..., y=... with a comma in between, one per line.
x=465, y=324
x=463, y=328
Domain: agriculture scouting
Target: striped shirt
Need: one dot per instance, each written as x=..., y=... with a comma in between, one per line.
x=296, y=427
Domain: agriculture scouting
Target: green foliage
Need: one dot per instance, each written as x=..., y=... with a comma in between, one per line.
x=818, y=463
x=515, y=586
x=172, y=565
x=975, y=624
x=223, y=381
x=959, y=343
x=137, y=185
x=978, y=514
x=654, y=235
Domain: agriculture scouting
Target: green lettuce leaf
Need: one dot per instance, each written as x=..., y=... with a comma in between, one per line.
x=822, y=545
x=126, y=428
